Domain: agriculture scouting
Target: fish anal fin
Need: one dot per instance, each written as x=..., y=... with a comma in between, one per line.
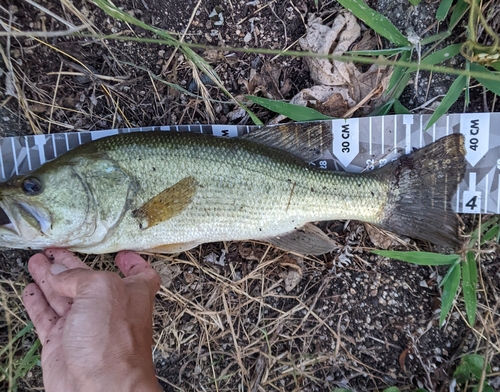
x=308, y=141
x=167, y=204
x=174, y=248
x=308, y=240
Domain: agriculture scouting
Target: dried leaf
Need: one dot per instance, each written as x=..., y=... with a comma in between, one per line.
x=271, y=82
x=335, y=106
x=380, y=238
x=168, y=273
x=339, y=78
x=402, y=359
x=293, y=275
x=292, y=279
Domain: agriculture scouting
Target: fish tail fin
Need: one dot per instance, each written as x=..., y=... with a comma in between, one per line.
x=421, y=187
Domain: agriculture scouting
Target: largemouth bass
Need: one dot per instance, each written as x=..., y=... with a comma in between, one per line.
x=168, y=192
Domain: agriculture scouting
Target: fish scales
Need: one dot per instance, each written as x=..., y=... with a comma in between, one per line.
x=242, y=186
x=168, y=192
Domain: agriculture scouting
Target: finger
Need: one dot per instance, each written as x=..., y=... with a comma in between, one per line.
x=64, y=257
x=132, y=265
x=43, y=316
x=39, y=267
x=53, y=349
x=71, y=282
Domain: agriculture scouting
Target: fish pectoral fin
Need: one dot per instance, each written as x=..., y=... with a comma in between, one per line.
x=174, y=248
x=167, y=204
x=308, y=240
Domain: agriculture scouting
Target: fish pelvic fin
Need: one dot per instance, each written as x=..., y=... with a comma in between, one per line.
x=307, y=240
x=167, y=204
x=421, y=187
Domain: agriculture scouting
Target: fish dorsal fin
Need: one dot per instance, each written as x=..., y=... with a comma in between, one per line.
x=174, y=248
x=307, y=240
x=307, y=141
x=167, y=204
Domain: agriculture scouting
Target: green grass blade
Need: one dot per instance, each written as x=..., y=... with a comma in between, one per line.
x=399, y=108
x=458, y=13
x=28, y=328
x=414, y=2
x=492, y=233
x=403, y=82
x=467, y=85
x=380, y=52
x=384, y=109
x=493, y=86
x=397, y=74
x=443, y=9
x=294, y=112
x=450, y=286
x=487, y=226
x=4, y=373
x=420, y=258
x=435, y=37
x=449, y=99
x=483, y=230
x=30, y=360
x=376, y=21
x=119, y=14
x=442, y=55
x=448, y=274
x=469, y=286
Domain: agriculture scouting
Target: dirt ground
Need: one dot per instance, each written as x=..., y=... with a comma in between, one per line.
x=240, y=316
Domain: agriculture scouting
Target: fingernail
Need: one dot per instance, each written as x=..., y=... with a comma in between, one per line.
x=56, y=269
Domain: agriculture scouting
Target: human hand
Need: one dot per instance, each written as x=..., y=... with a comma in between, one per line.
x=95, y=328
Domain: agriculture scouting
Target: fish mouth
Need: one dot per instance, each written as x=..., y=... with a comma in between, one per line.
x=4, y=218
x=7, y=222
x=19, y=219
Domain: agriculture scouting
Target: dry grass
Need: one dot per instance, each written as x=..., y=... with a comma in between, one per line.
x=234, y=329
x=246, y=316
x=240, y=329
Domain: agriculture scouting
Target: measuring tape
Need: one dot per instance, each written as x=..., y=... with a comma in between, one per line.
x=359, y=144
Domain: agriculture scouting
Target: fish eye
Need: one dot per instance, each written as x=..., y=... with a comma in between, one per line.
x=31, y=186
